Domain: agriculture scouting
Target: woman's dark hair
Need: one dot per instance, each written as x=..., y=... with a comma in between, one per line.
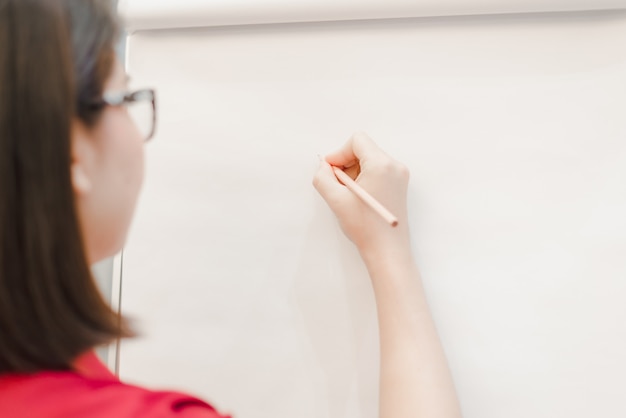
x=55, y=56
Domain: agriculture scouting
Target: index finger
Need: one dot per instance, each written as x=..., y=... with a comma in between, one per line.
x=359, y=147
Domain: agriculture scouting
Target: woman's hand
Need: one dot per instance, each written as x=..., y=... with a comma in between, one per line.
x=385, y=179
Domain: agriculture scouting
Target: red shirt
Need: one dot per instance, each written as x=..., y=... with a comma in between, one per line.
x=91, y=391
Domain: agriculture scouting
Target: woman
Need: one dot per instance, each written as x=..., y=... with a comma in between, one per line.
x=71, y=167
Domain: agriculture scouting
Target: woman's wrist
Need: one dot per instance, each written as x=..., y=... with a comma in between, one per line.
x=384, y=255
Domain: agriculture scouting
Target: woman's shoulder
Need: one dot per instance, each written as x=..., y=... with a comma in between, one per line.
x=92, y=391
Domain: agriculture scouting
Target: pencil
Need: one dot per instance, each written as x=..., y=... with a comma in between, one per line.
x=365, y=197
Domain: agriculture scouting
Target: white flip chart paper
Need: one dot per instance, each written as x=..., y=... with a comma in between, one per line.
x=513, y=127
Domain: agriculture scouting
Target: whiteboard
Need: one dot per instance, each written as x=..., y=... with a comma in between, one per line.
x=513, y=127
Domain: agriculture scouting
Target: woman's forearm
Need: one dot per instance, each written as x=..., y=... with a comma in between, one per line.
x=415, y=380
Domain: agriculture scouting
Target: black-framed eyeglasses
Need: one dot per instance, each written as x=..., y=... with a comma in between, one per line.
x=141, y=105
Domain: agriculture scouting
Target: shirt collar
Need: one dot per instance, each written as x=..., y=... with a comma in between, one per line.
x=89, y=365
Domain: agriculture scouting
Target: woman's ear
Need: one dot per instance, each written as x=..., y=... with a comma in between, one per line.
x=82, y=153
x=80, y=180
